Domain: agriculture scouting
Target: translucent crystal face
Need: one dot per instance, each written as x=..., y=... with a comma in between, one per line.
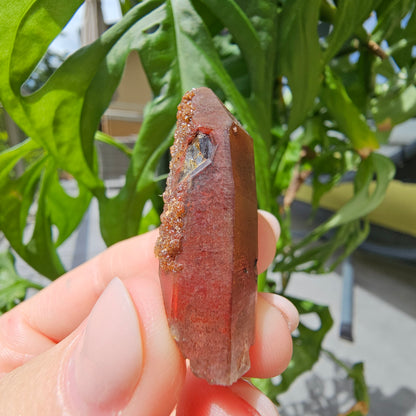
x=198, y=154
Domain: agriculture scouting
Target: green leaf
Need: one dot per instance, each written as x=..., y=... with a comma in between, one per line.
x=254, y=29
x=357, y=77
x=395, y=107
x=12, y=286
x=326, y=256
x=63, y=208
x=150, y=220
x=349, y=17
x=246, y=37
x=299, y=50
x=397, y=26
x=365, y=199
x=200, y=64
x=105, y=138
x=156, y=132
x=288, y=161
x=64, y=114
x=356, y=373
x=349, y=120
x=31, y=233
x=126, y=5
x=10, y=157
x=185, y=61
x=330, y=164
x=46, y=115
x=360, y=385
x=307, y=345
x=389, y=16
x=264, y=18
x=187, y=58
x=367, y=196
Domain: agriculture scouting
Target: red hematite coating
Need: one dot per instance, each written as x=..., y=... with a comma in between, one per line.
x=208, y=239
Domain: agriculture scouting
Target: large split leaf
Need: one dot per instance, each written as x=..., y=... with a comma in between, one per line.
x=61, y=118
x=63, y=115
x=47, y=115
x=28, y=230
x=12, y=287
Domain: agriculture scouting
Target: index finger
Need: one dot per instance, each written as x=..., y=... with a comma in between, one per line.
x=59, y=308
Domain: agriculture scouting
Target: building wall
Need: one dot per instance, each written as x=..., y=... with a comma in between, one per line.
x=125, y=113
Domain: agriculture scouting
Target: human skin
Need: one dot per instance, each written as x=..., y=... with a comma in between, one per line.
x=96, y=342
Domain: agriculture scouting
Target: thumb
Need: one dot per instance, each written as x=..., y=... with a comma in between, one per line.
x=121, y=358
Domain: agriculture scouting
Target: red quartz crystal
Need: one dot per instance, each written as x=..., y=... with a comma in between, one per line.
x=207, y=246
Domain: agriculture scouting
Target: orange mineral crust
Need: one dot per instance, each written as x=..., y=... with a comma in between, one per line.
x=207, y=246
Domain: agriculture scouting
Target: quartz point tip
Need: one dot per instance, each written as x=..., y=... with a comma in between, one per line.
x=207, y=245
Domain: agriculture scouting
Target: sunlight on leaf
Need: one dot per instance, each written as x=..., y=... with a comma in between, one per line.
x=350, y=121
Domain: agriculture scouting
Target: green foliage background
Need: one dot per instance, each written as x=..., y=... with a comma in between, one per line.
x=304, y=77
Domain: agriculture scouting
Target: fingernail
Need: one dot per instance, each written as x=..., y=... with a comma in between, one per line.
x=285, y=306
x=272, y=222
x=107, y=361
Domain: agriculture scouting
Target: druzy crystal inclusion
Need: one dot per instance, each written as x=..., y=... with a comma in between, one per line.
x=207, y=246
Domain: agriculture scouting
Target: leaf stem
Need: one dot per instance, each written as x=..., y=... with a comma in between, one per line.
x=32, y=285
x=285, y=281
x=105, y=138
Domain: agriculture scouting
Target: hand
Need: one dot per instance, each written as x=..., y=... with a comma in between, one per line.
x=93, y=344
